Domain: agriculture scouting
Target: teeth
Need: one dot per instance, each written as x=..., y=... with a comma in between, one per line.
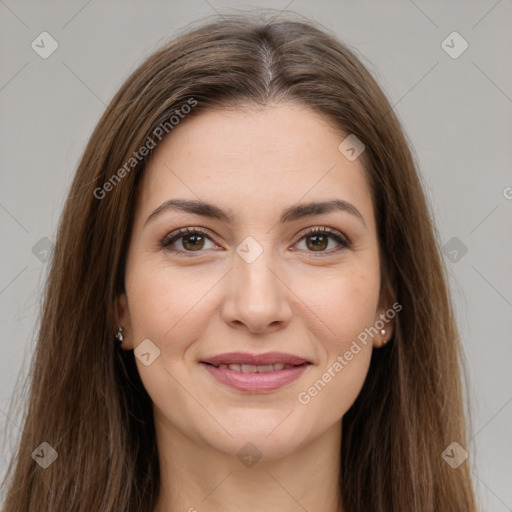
x=251, y=368
x=265, y=368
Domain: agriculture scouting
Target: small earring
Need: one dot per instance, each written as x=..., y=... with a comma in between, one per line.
x=383, y=332
x=119, y=337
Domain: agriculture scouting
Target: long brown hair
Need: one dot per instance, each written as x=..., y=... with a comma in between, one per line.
x=86, y=398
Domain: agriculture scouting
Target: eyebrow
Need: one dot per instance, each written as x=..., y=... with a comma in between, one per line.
x=291, y=214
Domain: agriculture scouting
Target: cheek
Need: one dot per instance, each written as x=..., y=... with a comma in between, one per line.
x=343, y=307
x=342, y=303
x=166, y=303
x=168, y=307
x=336, y=386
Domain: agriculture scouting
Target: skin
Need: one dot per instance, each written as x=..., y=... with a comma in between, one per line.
x=293, y=298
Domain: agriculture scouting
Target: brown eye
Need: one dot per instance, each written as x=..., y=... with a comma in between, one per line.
x=192, y=240
x=317, y=241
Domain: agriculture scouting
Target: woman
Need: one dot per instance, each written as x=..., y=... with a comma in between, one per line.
x=247, y=307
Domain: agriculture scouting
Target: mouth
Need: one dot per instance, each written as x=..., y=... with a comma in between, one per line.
x=251, y=368
x=255, y=373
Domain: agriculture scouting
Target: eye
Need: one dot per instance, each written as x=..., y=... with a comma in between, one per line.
x=193, y=240
x=317, y=240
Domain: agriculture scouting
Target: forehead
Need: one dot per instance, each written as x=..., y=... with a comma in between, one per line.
x=253, y=161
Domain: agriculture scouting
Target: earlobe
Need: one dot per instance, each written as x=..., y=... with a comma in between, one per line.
x=119, y=338
x=385, y=318
x=123, y=337
x=384, y=325
x=384, y=336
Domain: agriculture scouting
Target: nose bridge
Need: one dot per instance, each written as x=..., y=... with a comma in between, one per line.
x=256, y=294
x=252, y=268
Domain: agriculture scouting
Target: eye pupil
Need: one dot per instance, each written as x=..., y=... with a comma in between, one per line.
x=199, y=238
x=322, y=244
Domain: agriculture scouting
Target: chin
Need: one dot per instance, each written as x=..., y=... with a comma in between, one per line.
x=253, y=448
x=265, y=437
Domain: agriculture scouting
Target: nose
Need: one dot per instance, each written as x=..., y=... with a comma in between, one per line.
x=256, y=296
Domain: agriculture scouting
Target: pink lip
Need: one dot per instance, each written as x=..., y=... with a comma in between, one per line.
x=255, y=359
x=255, y=382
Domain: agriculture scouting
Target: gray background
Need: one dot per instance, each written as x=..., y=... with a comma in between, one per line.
x=456, y=111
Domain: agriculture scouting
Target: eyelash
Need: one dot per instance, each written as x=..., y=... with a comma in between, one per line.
x=169, y=239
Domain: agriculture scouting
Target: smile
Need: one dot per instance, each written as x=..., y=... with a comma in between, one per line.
x=255, y=379
x=251, y=368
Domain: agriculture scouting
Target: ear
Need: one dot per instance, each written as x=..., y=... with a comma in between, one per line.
x=123, y=319
x=385, y=316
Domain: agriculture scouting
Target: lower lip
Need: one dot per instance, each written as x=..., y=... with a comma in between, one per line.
x=255, y=382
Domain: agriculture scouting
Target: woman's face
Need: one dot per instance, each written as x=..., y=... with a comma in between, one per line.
x=253, y=280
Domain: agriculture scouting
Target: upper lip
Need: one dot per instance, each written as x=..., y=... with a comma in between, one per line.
x=255, y=359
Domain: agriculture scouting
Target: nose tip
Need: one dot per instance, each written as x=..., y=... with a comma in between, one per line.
x=256, y=296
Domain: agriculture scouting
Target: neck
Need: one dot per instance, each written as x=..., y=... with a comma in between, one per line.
x=196, y=477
